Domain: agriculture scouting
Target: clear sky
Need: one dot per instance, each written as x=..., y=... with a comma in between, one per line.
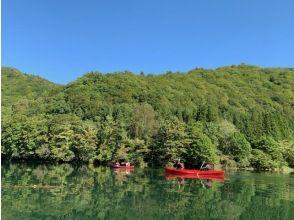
x=61, y=40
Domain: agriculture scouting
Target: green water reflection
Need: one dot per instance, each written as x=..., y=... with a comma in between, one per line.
x=87, y=192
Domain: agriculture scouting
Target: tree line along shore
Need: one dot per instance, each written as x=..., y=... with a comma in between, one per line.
x=235, y=116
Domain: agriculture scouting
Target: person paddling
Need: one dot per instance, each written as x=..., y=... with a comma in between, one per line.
x=180, y=165
x=117, y=164
x=128, y=164
x=208, y=166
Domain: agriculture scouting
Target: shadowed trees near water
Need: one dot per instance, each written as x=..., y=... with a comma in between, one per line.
x=235, y=116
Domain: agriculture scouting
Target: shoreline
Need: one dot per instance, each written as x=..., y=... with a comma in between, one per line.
x=284, y=170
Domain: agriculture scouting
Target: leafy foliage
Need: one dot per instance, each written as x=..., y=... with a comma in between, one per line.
x=216, y=115
x=171, y=141
x=240, y=149
x=201, y=147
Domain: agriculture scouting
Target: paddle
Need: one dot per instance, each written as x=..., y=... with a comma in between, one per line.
x=202, y=165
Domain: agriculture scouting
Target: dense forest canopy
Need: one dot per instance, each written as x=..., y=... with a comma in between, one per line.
x=237, y=116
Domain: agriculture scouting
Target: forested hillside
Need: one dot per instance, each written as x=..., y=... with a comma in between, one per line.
x=238, y=116
x=22, y=91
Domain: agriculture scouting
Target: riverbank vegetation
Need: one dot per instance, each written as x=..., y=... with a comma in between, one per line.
x=237, y=116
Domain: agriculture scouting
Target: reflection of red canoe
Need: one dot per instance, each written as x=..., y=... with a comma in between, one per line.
x=123, y=167
x=203, y=174
x=193, y=176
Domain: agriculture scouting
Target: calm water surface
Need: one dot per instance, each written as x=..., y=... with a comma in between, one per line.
x=87, y=192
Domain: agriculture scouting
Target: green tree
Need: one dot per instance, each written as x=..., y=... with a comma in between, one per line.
x=240, y=149
x=171, y=142
x=138, y=151
x=268, y=145
x=200, y=148
x=23, y=137
x=58, y=105
x=61, y=137
x=84, y=141
x=288, y=152
x=143, y=122
x=226, y=130
x=262, y=161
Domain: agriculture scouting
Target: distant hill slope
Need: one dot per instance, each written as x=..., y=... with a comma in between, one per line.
x=17, y=86
x=236, y=93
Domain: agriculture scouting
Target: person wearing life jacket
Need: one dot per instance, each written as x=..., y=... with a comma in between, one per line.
x=208, y=166
x=128, y=164
x=180, y=165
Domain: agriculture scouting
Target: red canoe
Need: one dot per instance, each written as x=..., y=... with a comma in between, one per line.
x=123, y=167
x=195, y=173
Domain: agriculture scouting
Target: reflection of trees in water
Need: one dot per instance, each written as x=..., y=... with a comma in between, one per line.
x=63, y=191
x=87, y=192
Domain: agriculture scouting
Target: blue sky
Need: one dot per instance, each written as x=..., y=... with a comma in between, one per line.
x=61, y=40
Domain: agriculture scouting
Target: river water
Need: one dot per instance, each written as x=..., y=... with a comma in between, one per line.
x=63, y=191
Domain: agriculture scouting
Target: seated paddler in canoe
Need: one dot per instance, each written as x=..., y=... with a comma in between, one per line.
x=180, y=165
x=205, y=166
x=126, y=165
x=205, y=169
